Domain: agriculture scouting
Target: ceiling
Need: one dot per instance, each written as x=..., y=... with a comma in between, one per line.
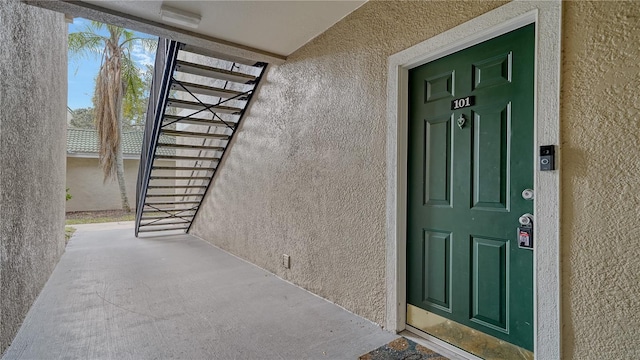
x=278, y=27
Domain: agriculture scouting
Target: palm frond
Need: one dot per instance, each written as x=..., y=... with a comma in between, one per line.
x=108, y=100
x=86, y=44
x=148, y=44
x=136, y=90
x=95, y=26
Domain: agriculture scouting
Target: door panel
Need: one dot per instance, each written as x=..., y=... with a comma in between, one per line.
x=490, y=153
x=437, y=154
x=438, y=87
x=492, y=71
x=436, y=270
x=490, y=271
x=464, y=186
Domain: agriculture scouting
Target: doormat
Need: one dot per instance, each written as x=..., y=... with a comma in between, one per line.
x=402, y=348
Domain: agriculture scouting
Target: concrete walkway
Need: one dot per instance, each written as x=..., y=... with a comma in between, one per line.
x=113, y=296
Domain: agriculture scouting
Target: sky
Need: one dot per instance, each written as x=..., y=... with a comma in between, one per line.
x=82, y=70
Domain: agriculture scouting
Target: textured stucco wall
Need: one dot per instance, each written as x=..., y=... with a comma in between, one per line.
x=84, y=180
x=33, y=97
x=601, y=180
x=306, y=175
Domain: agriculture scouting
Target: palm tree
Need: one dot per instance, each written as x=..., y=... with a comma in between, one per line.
x=117, y=89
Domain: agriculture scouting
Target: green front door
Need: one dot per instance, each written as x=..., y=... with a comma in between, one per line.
x=467, y=169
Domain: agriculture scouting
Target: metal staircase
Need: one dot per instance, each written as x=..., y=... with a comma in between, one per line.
x=196, y=102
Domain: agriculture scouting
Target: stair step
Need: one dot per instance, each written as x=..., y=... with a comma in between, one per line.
x=191, y=147
x=186, y=223
x=178, y=213
x=183, y=168
x=194, y=134
x=197, y=121
x=214, y=54
x=180, y=178
x=168, y=220
x=213, y=72
x=194, y=208
x=208, y=90
x=164, y=217
x=178, y=194
x=177, y=187
x=142, y=229
x=173, y=195
x=161, y=216
x=171, y=203
x=194, y=105
x=172, y=222
x=189, y=158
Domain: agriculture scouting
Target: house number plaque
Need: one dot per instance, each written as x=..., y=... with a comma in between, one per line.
x=463, y=102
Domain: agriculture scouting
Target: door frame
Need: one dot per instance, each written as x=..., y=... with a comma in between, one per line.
x=547, y=15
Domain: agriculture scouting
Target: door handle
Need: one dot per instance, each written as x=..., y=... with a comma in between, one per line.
x=526, y=220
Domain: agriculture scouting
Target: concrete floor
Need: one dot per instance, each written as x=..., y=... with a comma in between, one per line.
x=113, y=296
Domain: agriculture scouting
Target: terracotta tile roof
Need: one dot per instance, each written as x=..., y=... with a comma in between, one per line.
x=86, y=141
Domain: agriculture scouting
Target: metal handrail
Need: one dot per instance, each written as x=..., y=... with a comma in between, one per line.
x=166, y=56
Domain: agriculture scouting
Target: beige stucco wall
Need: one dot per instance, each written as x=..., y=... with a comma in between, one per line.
x=306, y=176
x=601, y=180
x=84, y=180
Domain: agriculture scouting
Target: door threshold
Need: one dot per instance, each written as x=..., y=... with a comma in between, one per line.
x=441, y=347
